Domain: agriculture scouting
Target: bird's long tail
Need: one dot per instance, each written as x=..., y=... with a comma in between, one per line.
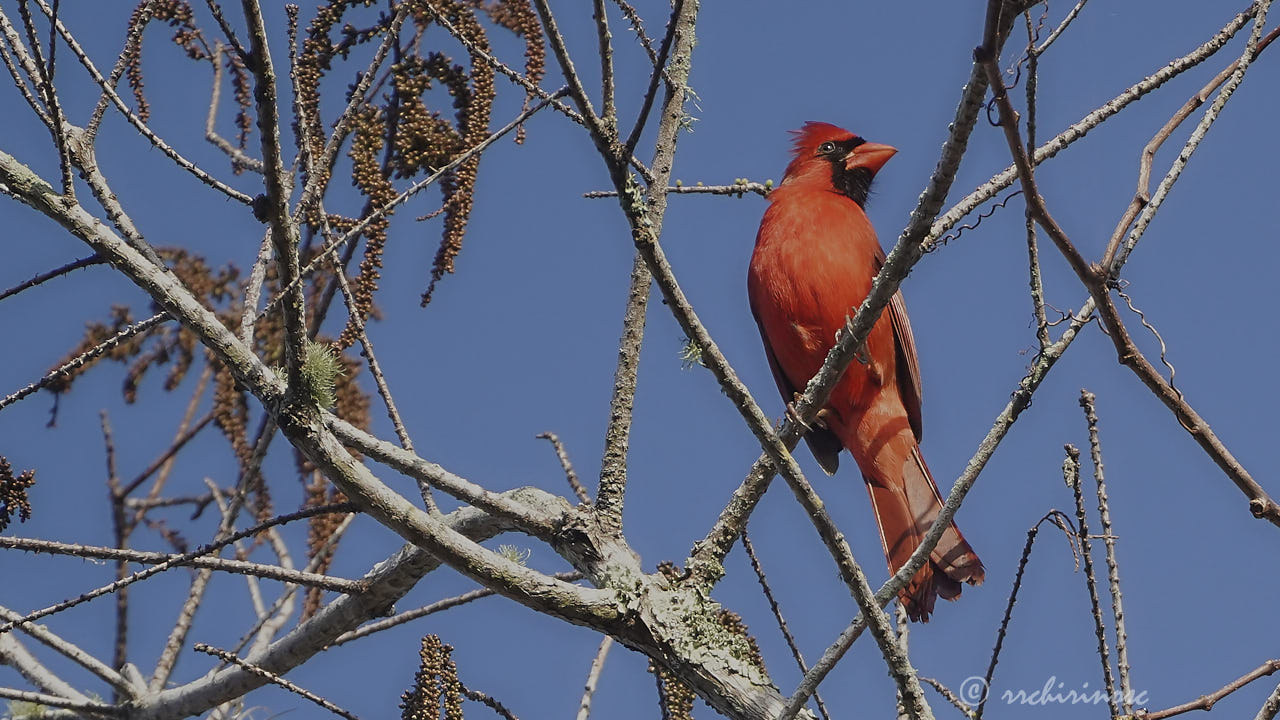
x=906, y=502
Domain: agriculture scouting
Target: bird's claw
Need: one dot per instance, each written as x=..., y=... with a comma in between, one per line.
x=819, y=420
x=794, y=416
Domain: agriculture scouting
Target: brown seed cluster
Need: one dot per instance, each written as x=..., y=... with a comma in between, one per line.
x=368, y=176
x=177, y=349
x=178, y=14
x=423, y=139
x=675, y=699
x=320, y=529
x=436, y=691
x=732, y=622
x=415, y=139
x=473, y=127
x=13, y=494
x=314, y=60
x=518, y=17
x=166, y=345
x=244, y=100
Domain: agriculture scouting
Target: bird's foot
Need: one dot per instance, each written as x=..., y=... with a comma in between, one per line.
x=819, y=421
x=794, y=416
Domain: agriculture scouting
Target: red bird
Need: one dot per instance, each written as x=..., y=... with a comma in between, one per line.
x=815, y=258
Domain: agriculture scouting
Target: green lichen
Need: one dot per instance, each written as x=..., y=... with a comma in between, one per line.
x=321, y=368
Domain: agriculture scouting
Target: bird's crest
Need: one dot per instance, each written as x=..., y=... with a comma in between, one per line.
x=808, y=138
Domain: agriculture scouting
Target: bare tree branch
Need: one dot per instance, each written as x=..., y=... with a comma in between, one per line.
x=274, y=679
x=1098, y=280
x=593, y=678
x=1206, y=702
x=239, y=567
x=1087, y=401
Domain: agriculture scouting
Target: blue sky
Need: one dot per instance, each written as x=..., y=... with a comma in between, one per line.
x=522, y=340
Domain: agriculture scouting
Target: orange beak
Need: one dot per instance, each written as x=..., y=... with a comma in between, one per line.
x=871, y=156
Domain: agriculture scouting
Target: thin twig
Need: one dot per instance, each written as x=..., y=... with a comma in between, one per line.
x=1061, y=27
x=53, y=701
x=121, y=530
x=70, y=651
x=577, y=91
x=1082, y=127
x=1231, y=76
x=637, y=26
x=141, y=126
x=366, y=345
x=1098, y=280
x=132, y=41
x=1071, y=474
x=569, y=474
x=56, y=272
x=284, y=227
x=182, y=435
x=49, y=91
x=180, y=560
x=1088, y=402
x=659, y=70
x=253, y=290
x=185, y=436
x=1206, y=702
x=200, y=501
x=609, y=110
x=947, y=694
x=85, y=357
x=738, y=189
x=777, y=616
x=489, y=701
x=263, y=630
x=239, y=567
x=593, y=678
x=28, y=67
x=530, y=520
x=1058, y=518
x=274, y=679
x=238, y=156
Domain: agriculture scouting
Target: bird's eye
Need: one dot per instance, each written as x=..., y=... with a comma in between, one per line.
x=826, y=148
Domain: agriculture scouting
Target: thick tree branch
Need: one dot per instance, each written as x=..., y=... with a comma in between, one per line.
x=275, y=207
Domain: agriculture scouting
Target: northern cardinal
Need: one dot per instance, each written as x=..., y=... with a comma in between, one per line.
x=815, y=257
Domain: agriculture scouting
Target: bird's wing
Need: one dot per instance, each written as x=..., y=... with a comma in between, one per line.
x=823, y=443
x=908, y=362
